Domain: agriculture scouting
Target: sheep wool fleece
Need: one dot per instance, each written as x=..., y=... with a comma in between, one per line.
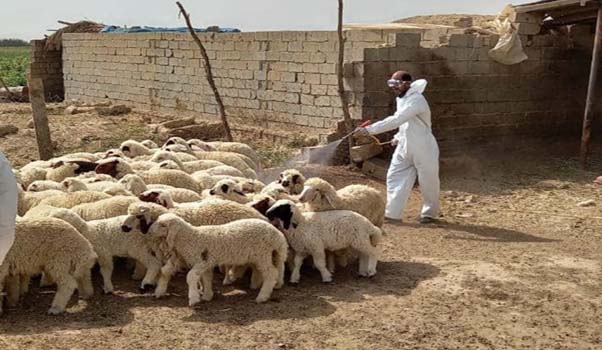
x=8, y=207
x=417, y=153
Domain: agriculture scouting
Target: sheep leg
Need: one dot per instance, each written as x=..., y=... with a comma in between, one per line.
x=207, y=281
x=12, y=290
x=25, y=280
x=66, y=285
x=192, y=278
x=270, y=277
x=106, y=270
x=363, y=265
x=368, y=260
x=153, y=267
x=319, y=258
x=46, y=280
x=330, y=261
x=280, y=282
x=139, y=271
x=168, y=270
x=256, y=278
x=296, y=272
x=84, y=285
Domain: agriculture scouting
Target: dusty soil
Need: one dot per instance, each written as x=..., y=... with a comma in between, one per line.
x=514, y=264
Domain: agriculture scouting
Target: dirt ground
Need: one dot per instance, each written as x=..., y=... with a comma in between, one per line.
x=515, y=263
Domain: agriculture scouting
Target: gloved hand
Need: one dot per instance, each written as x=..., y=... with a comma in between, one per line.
x=361, y=132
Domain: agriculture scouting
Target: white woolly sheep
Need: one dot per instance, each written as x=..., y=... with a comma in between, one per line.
x=133, y=149
x=118, y=168
x=232, y=159
x=198, y=145
x=230, y=190
x=190, y=166
x=110, y=188
x=175, y=140
x=236, y=147
x=243, y=242
x=108, y=242
x=54, y=247
x=71, y=168
x=312, y=233
x=105, y=208
x=292, y=180
x=28, y=200
x=70, y=200
x=44, y=185
x=150, y=144
x=94, y=177
x=30, y=175
x=319, y=195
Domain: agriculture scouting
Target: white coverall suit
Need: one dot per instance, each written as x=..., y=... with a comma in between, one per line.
x=416, y=153
x=8, y=207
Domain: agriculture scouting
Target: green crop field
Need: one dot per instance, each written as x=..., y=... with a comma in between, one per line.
x=13, y=65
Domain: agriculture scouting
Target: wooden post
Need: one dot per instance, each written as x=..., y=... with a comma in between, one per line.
x=208, y=72
x=340, y=70
x=40, y=120
x=591, y=92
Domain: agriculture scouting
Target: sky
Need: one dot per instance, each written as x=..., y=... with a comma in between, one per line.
x=30, y=19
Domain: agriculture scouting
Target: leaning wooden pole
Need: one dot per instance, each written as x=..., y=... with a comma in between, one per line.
x=590, y=108
x=340, y=71
x=40, y=120
x=208, y=73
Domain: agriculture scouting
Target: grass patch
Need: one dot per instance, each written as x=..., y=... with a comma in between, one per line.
x=13, y=65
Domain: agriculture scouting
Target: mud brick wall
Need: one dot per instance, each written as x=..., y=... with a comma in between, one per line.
x=46, y=63
x=282, y=80
x=473, y=98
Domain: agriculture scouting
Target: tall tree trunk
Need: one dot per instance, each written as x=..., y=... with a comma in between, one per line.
x=208, y=72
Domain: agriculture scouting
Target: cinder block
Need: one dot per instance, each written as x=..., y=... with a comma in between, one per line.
x=462, y=40
x=407, y=40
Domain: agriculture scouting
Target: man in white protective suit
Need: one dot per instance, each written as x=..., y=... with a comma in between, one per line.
x=417, y=152
x=8, y=207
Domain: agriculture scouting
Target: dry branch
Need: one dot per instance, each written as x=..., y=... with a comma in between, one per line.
x=208, y=72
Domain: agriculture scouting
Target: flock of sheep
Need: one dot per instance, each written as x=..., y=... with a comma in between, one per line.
x=188, y=205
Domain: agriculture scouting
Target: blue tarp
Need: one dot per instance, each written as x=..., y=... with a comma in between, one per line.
x=145, y=29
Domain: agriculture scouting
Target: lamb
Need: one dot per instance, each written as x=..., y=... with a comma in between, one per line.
x=28, y=200
x=243, y=242
x=56, y=248
x=292, y=180
x=64, y=169
x=93, y=177
x=85, y=156
x=150, y=144
x=137, y=186
x=105, y=208
x=234, y=147
x=277, y=191
x=232, y=159
x=44, y=185
x=312, y=233
x=176, y=140
x=118, y=168
x=162, y=155
x=319, y=195
x=70, y=200
x=108, y=242
x=110, y=188
x=230, y=190
x=166, y=198
x=189, y=167
x=133, y=149
x=27, y=176
x=208, y=181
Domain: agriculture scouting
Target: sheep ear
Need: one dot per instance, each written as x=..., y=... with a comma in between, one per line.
x=296, y=179
x=262, y=206
x=125, y=149
x=225, y=188
x=145, y=226
x=330, y=198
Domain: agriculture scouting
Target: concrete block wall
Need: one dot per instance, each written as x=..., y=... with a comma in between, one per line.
x=46, y=63
x=283, y=80
x=474, y=99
